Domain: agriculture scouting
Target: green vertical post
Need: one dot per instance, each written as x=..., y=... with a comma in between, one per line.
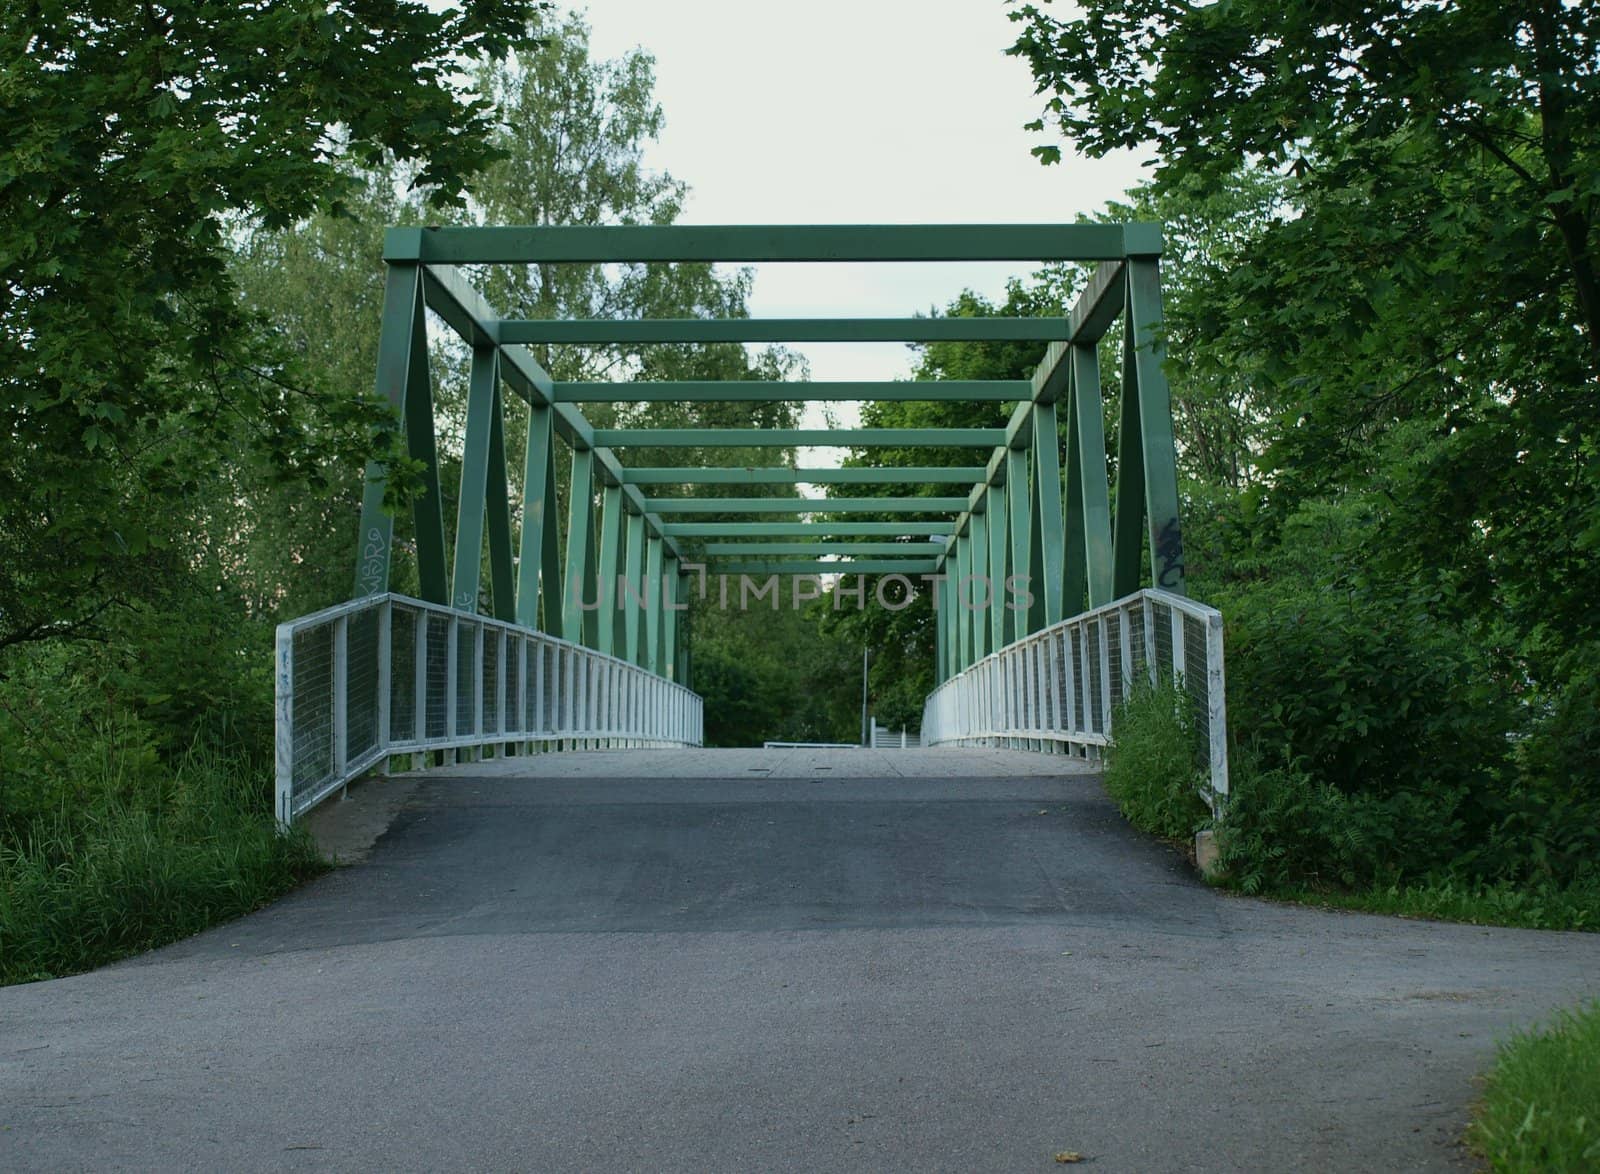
x=403, y=381
x=1019, y=498
x=979, y=553
x=502, y=567
x=962, y=651
x=1155, y=418
x=470, y=509
x=669, y=619
x=402, y=290
x=638, y=591
x=949, y=614
x=995, y=513
x=1047, y=507
x=538, y=522
x=610, y=545
x=580, y=510
x=1093, y=494
x=1126, y=535
x=939, y=665
x=653, y=603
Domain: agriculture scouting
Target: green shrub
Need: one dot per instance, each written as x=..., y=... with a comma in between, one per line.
x=1154, y=768
x=93, y=882
x=1541, y=1104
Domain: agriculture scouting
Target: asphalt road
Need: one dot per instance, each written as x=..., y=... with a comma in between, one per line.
x=769, y=969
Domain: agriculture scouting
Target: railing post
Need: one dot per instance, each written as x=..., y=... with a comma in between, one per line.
x=385, y=676
x=341, y=675
x=283, y=730
x=451, y=705
x=1217, y=704
x=419, y=758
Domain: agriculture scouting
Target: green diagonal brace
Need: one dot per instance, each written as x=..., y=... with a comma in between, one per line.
x=1093, y=494
x=1047, y=491
x=580, y=510
x=638, y=593
x=610, y=547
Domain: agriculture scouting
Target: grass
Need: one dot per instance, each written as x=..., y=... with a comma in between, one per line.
x=1541, y=1103
x=1449, y=899
x=90, y=883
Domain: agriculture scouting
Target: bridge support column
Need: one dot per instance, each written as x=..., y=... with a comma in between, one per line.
x=403, y=381
x=539, y=552
x=580, y=555
x=610, y=545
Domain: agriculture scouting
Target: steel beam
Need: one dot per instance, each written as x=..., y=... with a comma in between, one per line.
x=1155, y=431
x=804, y=505
x=805, y=529
x=580, y=510
x=747, y=243
x=908, y=567
x=796, y=437
x=763, y=391
x=613, y=331
x=851, y=475
x=913, y=549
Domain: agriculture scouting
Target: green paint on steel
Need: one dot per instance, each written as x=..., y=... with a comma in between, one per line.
x=803, y=505
x=765, y=242
x=606, y=586
x=805, y=529
x=908, y=567
x=1019, y=525
x=762, y=391
x=912, y=549
x=464, y=581
x=375, y=538
x=1128, y=522
x=1093, y=492
x=795, y=437
x=809, y=475
x=538, y=549
x=1155, y=433
x=580, y=508
x=652, y=615
x=999, y=565
x=612, y=331
x=633, y=592
x=1047, y=501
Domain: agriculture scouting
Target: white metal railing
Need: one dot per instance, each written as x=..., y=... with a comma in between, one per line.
x=1056, y=689
x=389, y=675
x=883, y=738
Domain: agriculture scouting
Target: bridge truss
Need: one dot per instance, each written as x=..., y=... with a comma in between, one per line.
x=1033, y=502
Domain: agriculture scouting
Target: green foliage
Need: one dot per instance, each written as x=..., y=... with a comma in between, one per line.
x=1449, y=898
x=1153, y=764
x=1541, y=1105
x=130, y=864
x=134, y=379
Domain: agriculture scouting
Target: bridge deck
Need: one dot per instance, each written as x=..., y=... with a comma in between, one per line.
x=730, y=971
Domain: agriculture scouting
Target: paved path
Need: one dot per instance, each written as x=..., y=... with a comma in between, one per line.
x=751, y=972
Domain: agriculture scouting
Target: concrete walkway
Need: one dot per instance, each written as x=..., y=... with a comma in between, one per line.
x=918, y=961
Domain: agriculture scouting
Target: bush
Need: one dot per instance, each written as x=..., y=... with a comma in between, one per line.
x=1541, y=1105
x=1153, y=766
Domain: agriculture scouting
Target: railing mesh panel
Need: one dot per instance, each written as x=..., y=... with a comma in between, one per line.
x=361, y=684
x=466, y=676
x=514, y=720
x=313, y=708
x=402, y=674
x=491, y=682
x=438, y=685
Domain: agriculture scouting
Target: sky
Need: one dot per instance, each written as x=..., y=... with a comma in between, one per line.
x=863, y=112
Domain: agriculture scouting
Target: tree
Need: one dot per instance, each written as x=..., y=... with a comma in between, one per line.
x=131, y=371
x=1380, y=88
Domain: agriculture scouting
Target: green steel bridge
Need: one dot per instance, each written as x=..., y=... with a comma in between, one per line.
x=562, y=661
